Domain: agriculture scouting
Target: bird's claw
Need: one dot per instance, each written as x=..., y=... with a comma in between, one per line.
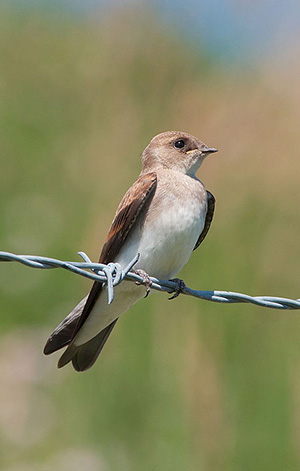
x=145, y=280
x=180, y=286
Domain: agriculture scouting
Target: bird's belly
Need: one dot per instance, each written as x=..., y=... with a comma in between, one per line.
x=166, y=241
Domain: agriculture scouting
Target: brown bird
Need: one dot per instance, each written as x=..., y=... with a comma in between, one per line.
x=164, y=216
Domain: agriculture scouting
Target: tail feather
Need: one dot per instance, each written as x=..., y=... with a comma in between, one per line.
x=85, y=355
x=64, y=332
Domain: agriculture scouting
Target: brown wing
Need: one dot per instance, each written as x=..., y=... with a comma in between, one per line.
x=138, y=197
x=209, y=216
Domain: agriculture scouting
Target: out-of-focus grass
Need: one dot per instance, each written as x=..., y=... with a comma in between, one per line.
x=181, y=385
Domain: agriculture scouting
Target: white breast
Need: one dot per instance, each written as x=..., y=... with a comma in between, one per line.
x=171, y=229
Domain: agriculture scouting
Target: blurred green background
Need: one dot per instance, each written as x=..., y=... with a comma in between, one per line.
x=183, y=385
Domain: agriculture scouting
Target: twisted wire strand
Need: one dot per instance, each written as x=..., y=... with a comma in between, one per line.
x=113, y=274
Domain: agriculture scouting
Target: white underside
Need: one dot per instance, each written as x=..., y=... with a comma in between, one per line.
x=165, y=243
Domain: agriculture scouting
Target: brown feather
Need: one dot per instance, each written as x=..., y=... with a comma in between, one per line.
x=138, y=197
x=209, y=217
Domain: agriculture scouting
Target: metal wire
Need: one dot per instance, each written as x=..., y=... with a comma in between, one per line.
x=113, y=274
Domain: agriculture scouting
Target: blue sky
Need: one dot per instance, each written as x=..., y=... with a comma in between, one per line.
x=233, y=30
x=242, y=29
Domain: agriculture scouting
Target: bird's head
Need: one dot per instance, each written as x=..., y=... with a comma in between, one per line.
x=177, y=151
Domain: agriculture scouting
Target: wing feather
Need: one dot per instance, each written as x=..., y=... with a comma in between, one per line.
x=137, y=198
x=208, y=219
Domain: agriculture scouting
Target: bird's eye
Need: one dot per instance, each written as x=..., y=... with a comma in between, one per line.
x=179, y=144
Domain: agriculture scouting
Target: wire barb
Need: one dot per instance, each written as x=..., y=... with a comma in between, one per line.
x=113, y=274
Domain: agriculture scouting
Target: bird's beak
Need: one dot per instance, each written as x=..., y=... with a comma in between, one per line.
x=204, y=150
x=209, y=150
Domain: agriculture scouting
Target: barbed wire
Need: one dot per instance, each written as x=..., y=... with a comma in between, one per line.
x=113, y=274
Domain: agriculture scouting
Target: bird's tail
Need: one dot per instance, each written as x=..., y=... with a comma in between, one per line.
x=64, y=332
x=84, y=356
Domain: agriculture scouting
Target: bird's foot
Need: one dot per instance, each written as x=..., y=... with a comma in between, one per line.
x=180, y=286
x=145, y=280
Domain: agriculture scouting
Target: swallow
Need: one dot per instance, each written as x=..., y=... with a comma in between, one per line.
x=164, y=216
